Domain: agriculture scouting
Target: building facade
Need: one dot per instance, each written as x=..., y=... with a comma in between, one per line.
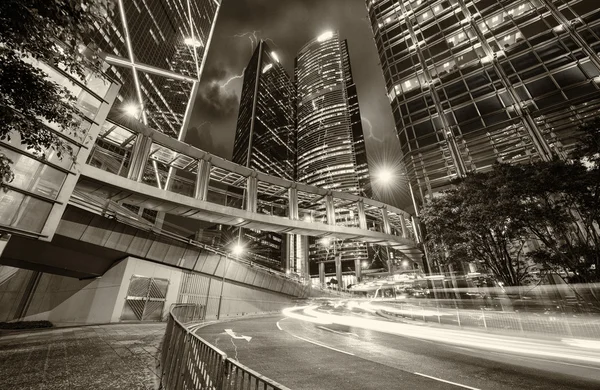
x=331, y=149
x=158, y=50
x=474, y=82
x=265, y=140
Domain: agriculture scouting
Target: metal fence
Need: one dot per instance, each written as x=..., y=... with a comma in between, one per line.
x=188, y=362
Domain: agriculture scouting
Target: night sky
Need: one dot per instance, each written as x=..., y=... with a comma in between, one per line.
x=287, y=25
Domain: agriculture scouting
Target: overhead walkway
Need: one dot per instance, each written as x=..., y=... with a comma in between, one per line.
x=135, y=165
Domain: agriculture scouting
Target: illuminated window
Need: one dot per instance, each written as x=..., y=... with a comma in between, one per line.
x=425, y=15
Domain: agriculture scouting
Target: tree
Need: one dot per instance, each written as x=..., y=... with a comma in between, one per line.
x=589, y=143
x=473, y=222
x=58, y=33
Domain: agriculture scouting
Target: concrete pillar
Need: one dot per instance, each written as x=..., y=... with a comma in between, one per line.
x=293, y=203
x=416, y=229
x=387, y=229
x=251, y=193
x=139, y=157
x=357, y=270
x=304, y=256
x=322, y=274
x=362, y=218
x=202, y=179
x=338, y=269
x=403, y=223
x=330, y=209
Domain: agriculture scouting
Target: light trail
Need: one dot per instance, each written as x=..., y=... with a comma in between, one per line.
x=464, y=338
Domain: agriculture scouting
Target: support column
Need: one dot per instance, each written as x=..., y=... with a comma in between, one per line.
x=387, y=229
x=362, y=218
x=293, y=203
x=139, y=157
x=357, y=270
x=322, y=274
x=330, y=209
x=338, y=269
x=251, y=193
x=202, y=179
x=404, y=230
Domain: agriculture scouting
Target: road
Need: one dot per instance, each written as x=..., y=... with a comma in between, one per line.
x=304, y=355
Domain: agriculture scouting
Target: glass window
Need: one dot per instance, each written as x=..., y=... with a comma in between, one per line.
x=23, y=212
x=50, y=155
x=34, y=176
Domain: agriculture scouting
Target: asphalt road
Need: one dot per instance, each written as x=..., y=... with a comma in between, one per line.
x=303, y=355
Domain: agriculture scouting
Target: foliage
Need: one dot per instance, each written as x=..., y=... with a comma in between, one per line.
x=492, y=217
x=474, y=222
x=55, y=32
x=589, y=143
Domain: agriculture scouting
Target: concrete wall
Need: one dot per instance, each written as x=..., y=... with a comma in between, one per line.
x=70, y=301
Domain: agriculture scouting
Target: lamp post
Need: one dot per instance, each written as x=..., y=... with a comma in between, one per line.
x=237, y=251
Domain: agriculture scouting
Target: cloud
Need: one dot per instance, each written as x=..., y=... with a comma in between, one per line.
x=202, y=137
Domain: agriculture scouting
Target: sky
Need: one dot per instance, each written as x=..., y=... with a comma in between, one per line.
x=286, y=25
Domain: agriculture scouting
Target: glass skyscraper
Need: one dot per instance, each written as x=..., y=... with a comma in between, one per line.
x=331, y=149
x=158, y=50
x=265, y=139
x=472, y=82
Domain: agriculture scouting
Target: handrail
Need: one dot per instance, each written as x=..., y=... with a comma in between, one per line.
x=188, y=361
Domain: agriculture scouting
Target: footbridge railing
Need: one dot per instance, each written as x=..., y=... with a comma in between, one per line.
x=128, y=149
x=189, y=362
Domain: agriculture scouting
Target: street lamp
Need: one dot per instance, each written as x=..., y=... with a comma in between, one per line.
x=132, y=110
x=385, y=176
x=238, y=250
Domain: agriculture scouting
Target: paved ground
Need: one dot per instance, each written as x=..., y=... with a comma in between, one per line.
x=120, y=356
x=303, y=355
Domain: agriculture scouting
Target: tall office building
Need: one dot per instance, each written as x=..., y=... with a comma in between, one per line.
x=331, y=150
x=265, y=139
x=475, y=82
x=158, y=49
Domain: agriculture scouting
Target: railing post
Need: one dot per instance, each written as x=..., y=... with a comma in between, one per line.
x=251, y=193
x=202, y=179
x=387, y=229
x=362, y=218
x=330, y=209
x=139, y=157
x=293, y=203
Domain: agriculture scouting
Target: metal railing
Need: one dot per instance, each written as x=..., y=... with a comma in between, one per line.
x=190, y=362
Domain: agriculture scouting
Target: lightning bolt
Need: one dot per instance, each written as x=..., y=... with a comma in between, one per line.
x=252, y=36
x=270, y=40
x=371, y=135
x=234, y=77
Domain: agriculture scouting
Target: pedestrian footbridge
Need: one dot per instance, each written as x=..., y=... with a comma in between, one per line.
x=137, y=166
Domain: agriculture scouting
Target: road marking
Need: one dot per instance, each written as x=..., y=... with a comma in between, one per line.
x=445, y=381
x=337, y=331
x=283, y=319
x=233, y=335
x=322, y=345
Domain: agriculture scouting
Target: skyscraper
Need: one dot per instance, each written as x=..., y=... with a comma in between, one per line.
x=331, y=151
x=265, y=139
x=158, y=50
x=475, y=82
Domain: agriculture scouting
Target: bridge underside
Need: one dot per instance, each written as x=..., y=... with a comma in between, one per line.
x=104, y=185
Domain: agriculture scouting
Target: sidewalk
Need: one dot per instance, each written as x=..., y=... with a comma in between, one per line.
x=119, y=356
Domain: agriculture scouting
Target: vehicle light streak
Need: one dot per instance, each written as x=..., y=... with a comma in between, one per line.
x=465, y=338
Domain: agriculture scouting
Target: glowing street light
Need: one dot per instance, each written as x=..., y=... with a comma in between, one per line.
x=326, y=241
x=238, y=250
x=385, y=176
x=132, y=109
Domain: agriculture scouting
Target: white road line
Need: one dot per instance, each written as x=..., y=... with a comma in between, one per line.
x=445, y=381
x=283, y=319
x=322, y=345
